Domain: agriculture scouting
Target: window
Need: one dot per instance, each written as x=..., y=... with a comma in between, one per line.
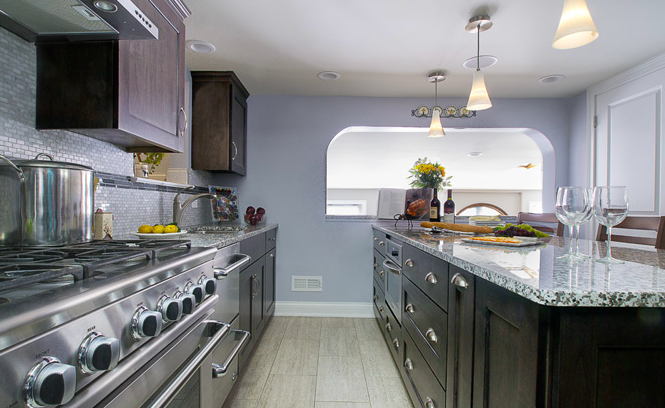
x=481, y=209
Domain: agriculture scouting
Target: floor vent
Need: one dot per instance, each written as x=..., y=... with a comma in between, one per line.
x=306, y=283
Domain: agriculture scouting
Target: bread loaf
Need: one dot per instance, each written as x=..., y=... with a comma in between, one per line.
x=458, y=227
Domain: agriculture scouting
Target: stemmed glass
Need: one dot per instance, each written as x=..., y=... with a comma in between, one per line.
x=587, y=216
x=572, y=205
x=610, y=207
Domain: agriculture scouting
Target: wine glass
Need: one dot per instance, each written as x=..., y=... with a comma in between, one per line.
x=572, y=205
x=610, y=207
x=587, y=216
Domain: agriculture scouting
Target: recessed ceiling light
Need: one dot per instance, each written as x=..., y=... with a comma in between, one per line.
x=105, y=6
x=474, y=154
x=201, y=47
x=485, y=61
x=551, y=78
x=328, y=75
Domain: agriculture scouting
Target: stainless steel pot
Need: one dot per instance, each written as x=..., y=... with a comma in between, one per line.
x=45, y=202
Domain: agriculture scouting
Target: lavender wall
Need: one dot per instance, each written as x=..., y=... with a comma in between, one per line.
x=287, y=141
x=578, y=156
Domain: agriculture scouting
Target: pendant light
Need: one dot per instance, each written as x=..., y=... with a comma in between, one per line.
x=576, y=27
x=479, y=99
x=435, y=127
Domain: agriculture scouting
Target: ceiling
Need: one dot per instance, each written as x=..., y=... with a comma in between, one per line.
x=385, y=48
x=382, y=158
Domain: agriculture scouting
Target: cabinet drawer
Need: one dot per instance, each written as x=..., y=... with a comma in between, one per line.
x=379, y=303
x=254, y=247
x=429, y=273
x=431, y=394
x=428, y=326
x=271, y=239
x=379, y=270
x=379, y=241
x=393, y=333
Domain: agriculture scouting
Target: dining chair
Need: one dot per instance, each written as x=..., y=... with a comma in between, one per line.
x=637, y=223
x=541, y=220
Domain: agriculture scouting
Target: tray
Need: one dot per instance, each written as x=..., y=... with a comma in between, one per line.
x=159, y=236
x=524, y=242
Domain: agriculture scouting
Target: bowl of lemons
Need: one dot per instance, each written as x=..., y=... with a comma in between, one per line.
x=159, y=231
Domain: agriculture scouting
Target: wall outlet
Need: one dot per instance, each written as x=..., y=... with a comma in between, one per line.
x=306, y=283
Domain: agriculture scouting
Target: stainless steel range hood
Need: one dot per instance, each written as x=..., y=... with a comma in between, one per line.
x=48, y=20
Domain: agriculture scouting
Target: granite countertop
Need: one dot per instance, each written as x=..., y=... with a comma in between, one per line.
x=218, y=240
x=535, y=273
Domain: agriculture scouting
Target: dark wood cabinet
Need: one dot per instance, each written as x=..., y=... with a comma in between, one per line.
x=219, y=122
x=269, y=284
x=129, y=93
x=461, y=311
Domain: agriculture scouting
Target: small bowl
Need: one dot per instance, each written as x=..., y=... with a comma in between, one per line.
x=263, y=220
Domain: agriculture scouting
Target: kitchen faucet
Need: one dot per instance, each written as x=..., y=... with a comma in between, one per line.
x=178, y=209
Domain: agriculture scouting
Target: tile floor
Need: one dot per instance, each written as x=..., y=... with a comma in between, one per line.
x=314, y=362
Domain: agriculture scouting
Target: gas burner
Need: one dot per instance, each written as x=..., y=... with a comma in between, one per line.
x=19, y=275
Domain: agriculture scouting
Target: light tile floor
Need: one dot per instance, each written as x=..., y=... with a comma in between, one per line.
x=320, y=362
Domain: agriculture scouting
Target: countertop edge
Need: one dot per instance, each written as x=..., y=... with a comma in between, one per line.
x=543, y=297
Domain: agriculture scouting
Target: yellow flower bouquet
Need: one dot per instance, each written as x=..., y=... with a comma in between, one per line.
x=426, y=174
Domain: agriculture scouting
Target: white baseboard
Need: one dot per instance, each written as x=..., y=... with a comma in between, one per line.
x=324, y=309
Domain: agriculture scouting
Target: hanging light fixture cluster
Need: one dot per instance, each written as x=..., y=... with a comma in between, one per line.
x=479, y=98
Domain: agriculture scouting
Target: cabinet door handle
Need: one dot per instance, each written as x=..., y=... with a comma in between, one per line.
x=389, y=327
x=376, y=265
x=272, y=255
x=459, y=281
x=184, y=129
x=375, y=297
x=381, y=309
x=429, y=403
x=409, y=263
x=273, y=239
x=409, y=308
x=431, y=278
x=408, y=364
x=396, y=343
x=382, y=273
x=236, y=150
x=381, y=243
x=431, y=335
x=375, y=239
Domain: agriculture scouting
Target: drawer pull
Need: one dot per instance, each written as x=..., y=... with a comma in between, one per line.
x=272, y=255
x=375, y=239
x=375, y=297
x=409, y=263
x=431, y=278
x=429, y=403
x=408, y=364
x=381, y=243
x=431, y=335
x=273, y=239
x=389, y=327
x=409, y=308
x=381, y=309
x=376, y=265
x=459, y=281
x=382, y=273
x=396, y=343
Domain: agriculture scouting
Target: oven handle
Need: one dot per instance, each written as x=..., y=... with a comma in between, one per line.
x=394, y=268
x=220, y=370
x=193, y=365
x=221, y=273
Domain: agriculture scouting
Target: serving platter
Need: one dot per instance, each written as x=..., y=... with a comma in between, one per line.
x=159, y=236
x=524, y=241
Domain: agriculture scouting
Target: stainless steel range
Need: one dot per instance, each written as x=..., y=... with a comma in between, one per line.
x=118, y=323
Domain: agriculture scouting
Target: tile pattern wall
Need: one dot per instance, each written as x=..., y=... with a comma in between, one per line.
x=19, y=139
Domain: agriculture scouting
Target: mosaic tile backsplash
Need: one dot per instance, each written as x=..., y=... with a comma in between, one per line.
x=19, y=139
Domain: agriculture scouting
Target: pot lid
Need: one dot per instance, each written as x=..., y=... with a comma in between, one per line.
x=50, y=163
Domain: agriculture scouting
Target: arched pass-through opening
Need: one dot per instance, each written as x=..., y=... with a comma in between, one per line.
x=511, y=168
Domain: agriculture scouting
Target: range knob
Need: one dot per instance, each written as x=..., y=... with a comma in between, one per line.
x=50, y=383
x=196, y=290
x=146, y=323
x=170, y=308
x=188, y=302
x=209, y=285
x=98, y=353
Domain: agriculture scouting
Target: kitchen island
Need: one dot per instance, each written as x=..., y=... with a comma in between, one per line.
x=491, y=326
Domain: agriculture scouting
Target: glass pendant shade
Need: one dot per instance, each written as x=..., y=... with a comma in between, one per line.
x=576, y=27
x=478, y=98
x=435, y=128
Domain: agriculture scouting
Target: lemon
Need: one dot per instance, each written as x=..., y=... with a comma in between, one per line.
x=170, y=229
x=145, y=229
x=158, y=229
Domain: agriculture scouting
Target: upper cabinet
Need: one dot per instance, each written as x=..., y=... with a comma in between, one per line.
x=129, y=93
x=219, y=122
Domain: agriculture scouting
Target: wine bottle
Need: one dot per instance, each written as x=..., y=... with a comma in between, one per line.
x=435, y=208
x=449, y=208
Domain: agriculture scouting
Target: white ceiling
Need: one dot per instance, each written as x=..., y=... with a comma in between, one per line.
x=385, y=48
x=382, y=158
